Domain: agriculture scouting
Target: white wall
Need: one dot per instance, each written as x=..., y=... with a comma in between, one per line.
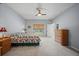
x=10, y=19
x=14, y=22
x=70, y=20
x=30, y=22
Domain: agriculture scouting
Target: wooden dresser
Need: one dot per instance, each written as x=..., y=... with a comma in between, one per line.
x=61, y=36
x=5, y=43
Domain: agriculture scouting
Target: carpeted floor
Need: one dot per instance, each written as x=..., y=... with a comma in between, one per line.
x=48, y=47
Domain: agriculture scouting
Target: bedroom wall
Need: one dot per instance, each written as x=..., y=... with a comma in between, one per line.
x=31, y=22
x=10, y=19
x=70, y=20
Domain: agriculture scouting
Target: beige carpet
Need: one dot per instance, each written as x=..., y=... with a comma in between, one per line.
x=48, y=47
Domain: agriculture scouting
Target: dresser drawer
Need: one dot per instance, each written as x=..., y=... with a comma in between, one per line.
x=0, y=50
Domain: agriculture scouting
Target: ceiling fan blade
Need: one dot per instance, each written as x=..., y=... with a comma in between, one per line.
x=44, y=14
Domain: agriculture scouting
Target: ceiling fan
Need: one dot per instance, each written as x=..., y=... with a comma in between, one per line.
x=40, y=13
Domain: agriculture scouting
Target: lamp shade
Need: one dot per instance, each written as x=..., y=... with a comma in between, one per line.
x=3, y=29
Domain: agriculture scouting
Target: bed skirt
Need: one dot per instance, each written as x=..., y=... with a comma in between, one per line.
x=25, y=44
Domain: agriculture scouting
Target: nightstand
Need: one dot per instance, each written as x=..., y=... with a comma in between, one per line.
x=5, y=43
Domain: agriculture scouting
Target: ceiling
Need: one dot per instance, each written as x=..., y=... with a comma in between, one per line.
x=28, y=10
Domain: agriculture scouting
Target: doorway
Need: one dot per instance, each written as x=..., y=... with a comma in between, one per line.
x=51, y=30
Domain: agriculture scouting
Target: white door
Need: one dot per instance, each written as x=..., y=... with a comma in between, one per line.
x=51, y=30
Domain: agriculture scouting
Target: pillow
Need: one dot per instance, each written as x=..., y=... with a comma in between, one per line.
x=5, y=35
x=1, y=35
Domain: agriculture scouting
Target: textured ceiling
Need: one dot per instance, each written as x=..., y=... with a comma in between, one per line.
x=28, y=10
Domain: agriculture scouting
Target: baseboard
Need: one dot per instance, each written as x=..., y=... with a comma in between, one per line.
x=75, y=48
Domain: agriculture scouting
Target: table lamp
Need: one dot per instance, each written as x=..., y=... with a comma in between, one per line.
x=3, y=30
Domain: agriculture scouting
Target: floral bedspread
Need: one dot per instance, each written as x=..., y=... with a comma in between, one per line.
x=24, y=38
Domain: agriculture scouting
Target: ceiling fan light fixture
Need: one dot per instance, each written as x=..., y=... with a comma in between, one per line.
x=39, y=14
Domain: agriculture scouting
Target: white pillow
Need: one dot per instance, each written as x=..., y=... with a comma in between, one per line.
x=1, y=35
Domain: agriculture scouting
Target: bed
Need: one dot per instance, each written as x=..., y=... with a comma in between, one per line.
x=22, y=39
